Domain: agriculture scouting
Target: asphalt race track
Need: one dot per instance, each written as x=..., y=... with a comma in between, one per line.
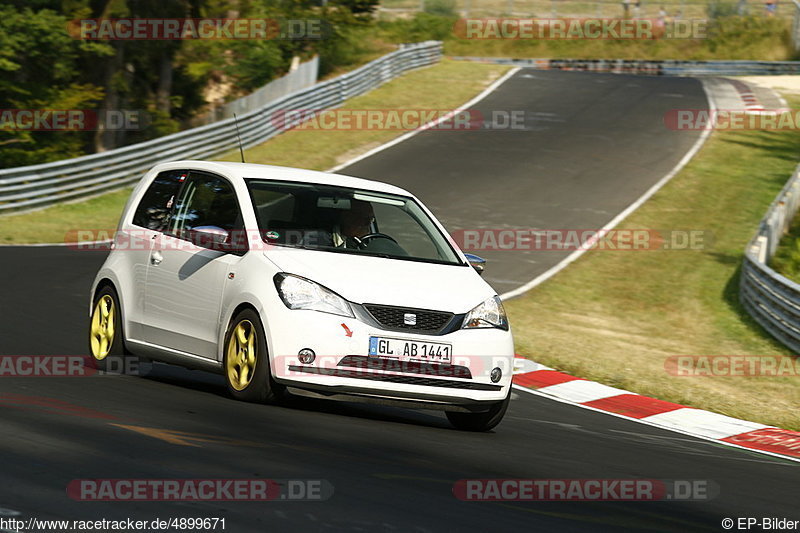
x=599, y=144
x=591, y=145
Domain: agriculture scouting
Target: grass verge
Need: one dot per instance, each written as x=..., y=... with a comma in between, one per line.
x=615, y=316
x=757, y=38
x=786, y=260
x=54, y=224
x=752, y=37
x=446, y=85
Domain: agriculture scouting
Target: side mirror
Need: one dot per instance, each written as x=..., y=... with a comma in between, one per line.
x=212, y=237
x=478, y=263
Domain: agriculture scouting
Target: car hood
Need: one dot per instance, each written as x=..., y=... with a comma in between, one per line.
x=364, y=279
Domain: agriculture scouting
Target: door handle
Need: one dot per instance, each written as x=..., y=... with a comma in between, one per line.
x=156, y=258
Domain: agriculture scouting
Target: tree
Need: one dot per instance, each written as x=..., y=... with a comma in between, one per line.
x=39, y=69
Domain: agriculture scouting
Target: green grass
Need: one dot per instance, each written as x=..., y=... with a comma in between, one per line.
x=446, y=85
x=787, y=257
x=752, y=37
x=614, y=317
x=60, y=223
x=578, y=8
x=758, y=38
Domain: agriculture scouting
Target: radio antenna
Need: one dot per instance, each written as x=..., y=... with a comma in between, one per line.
x=236, y=123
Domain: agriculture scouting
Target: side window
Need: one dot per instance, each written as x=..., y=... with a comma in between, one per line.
x=273, y=208
x=206, y=201
x=156, y=204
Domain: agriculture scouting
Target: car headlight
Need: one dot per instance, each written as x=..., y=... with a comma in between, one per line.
x=301, y=293
x=489, y=314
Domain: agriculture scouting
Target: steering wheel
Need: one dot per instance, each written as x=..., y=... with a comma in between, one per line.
x=362, y=241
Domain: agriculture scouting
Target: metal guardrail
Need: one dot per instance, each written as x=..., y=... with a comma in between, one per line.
x=669, y=67
x=31, y=187
x=795, y=35
x=304, y=76
x=771, y=299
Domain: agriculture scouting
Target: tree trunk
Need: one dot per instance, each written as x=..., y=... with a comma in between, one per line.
x=164, y=81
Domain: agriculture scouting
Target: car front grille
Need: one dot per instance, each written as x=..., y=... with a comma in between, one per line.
x=406, y=367
x=426, y=321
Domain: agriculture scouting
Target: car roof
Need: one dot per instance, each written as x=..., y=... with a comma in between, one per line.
x=242, y=171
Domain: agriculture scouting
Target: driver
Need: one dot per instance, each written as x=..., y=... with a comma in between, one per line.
x=354, y=223
x=357, y=223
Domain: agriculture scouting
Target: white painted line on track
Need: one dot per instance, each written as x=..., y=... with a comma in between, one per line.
x=486, y=92
x=555, y=269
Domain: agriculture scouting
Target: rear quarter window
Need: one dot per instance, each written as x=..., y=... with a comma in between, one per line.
x=155, y=206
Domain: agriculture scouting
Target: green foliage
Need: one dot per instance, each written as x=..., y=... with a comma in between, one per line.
x=755, y=37
x=421, y=27
x=787, y=257
x=39, y=69
x=43, y=66
x=359, y=8
x=253, y=64
x=347, y=46
x=718, y=9
x=442, y=8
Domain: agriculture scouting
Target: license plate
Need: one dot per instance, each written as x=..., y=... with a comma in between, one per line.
x=406, y=350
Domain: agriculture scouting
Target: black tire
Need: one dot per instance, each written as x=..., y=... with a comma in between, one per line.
x=258, y=386
x=105, y=343
x=480, y=421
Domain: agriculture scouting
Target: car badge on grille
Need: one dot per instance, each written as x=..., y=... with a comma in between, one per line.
x=409, y=319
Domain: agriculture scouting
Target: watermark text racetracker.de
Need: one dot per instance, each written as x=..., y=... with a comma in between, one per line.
x=430, y=360
x=469, y=240
x=580, y=28
x=732, y=119
x=406, y=119
x=65, y=366
x=137, y=240
x=553, y=490
x=732, y=366
x=73, y=119
x=196, y=490
x=167, y=29
x=638, y=239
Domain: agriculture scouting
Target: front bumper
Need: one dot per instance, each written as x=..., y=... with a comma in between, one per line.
x=343, y=366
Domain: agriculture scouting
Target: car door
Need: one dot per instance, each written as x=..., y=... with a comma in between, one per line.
x=185, y=282
x=137, y=238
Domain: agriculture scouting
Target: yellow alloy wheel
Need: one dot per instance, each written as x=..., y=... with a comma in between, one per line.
x=241, y=355
x=102, y=332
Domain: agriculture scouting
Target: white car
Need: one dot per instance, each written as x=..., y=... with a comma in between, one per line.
x=301, y=282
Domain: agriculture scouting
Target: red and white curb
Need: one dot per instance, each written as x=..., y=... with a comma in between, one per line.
x=544, y=381
x=751, y=103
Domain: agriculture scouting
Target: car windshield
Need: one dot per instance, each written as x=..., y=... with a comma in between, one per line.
x=345, y=220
